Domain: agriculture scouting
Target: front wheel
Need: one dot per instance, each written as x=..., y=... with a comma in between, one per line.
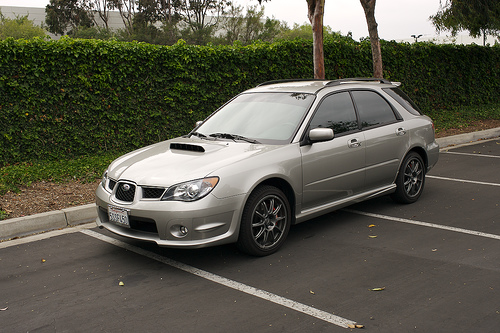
x=265, y=222
x=410, y=180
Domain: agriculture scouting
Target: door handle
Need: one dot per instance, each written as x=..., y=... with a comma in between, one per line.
x=400, y=131
x=353, y=143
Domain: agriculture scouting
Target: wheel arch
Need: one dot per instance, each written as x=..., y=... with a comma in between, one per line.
x=423, y=154
x=286, y=188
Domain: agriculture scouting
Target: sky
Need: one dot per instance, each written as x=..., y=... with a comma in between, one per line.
x=397, y=19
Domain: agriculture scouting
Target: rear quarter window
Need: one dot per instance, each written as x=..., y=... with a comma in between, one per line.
x=404, y=100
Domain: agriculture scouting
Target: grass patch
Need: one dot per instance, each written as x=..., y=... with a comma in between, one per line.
x=82, y=169
x=461, y=117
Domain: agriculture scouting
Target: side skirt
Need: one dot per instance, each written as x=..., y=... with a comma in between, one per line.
x=331, y=206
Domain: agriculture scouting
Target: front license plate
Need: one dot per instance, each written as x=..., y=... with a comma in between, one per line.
x=119, y=216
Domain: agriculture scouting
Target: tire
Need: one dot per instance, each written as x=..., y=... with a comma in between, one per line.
x=410, y=180
x=265, y=222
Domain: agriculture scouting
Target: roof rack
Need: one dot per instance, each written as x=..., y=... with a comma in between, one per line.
x=358, y=79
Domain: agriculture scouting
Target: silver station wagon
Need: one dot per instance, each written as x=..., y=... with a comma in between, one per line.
x=273, y=156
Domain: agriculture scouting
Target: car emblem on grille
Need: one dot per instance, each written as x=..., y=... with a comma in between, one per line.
x=126, y=187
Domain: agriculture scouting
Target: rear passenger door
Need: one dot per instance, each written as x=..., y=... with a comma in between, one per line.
x=386, y=139
x=333, y=170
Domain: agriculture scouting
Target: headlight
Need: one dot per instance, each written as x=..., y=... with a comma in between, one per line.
x=104, y=179
x=192, y=190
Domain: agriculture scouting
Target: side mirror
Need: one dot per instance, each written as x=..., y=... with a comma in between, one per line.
x=198, y=123
x=321, y=134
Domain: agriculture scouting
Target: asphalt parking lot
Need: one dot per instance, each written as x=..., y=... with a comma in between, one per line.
x=433, y=266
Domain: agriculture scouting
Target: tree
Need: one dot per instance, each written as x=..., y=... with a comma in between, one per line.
x=304, y=31
x=369, y=8
x=315, y=13
x=232, y=24
x=101, y=8
x=64, y=15
x=253, y=25
x=126, y=8
x=248, y=28
x=201, y=17
x=479, y=17
x=152, y=11
x=19, y=27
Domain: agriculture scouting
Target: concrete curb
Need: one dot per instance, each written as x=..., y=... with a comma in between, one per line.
x=468, y=137
x=22, y=226
x=27, y=225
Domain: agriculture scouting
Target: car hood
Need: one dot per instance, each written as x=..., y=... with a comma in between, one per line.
x=182, y=159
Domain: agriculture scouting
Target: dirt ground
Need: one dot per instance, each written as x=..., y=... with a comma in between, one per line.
x=44, y=196
x=47, y=196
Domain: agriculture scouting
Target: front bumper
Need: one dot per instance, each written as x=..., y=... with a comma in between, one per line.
x=209, y=221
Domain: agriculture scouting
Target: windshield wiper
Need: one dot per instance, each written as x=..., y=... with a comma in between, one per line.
x=233, y=137
x=200, y=135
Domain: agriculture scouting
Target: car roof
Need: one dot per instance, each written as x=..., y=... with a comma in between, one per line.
x=311, y=86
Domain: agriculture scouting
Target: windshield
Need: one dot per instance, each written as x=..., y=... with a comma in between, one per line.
x=270, y=118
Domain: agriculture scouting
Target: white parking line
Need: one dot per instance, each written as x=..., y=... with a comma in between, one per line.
x=45, y=235
x=425, y=224
x=467, y=144
x=319, y=314
x=469, y=154
x=463, y=180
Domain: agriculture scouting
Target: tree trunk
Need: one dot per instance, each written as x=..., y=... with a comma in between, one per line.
x=316, y=10
x=369, y=8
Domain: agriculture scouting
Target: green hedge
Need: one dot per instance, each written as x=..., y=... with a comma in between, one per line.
x=68, y=98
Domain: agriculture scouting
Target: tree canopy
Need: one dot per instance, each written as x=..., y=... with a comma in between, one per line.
x=19, y=27
x=163, y=21
x=478, y=17
x=64, y=15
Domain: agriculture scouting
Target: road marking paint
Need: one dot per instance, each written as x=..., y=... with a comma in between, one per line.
x=425, y=224
x=469, y=154
x=44, y=235
x=313, y=312
x=463, y=180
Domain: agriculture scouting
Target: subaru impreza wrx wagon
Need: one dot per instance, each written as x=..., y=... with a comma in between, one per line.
x=273, y=156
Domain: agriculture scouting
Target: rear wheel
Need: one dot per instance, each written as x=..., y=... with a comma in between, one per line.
x=410, y=180
x=265, y=222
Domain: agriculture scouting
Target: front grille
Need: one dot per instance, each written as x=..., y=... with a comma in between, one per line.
x=152, y=192
x=125, y=192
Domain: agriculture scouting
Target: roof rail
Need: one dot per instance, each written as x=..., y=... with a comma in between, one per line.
x=285, y=81
x=357, y=79
x=333, y=82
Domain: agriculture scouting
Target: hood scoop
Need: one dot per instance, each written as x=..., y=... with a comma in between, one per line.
x=187, y=147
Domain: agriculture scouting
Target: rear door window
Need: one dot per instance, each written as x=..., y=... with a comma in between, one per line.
x=373, y=109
